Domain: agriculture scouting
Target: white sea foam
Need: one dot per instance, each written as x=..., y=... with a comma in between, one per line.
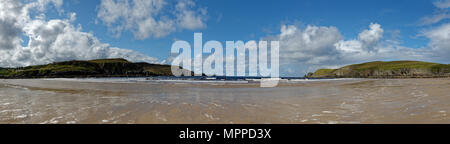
x=181, y=80
x=315, y=80
x=21, y=116
x=141, y=80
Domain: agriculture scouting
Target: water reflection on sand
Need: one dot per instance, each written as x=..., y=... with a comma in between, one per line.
x=335, y=101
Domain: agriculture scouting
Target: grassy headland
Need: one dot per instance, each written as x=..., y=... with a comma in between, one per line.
x=392, y=69
x=92, y=68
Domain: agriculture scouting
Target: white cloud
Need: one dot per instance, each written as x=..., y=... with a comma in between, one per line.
x=440, y=41
x=367, y=40
x=130, y=55
x=370, y=37
x=58, y=40
x=442, y=13
x=442, y=4
x=434, y=19
x=439, y=36
x=349, y=46
x=314, y=47
x=150, y=18
x=10, y=10
x=305, y=44
x=49, y=40
x=187, y=18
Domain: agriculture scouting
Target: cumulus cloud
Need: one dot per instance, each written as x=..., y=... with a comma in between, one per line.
x=49, y=40
x=366, y=41
x=9, y=24
x=370, y=37
x=306, y=44
x=440, y=41
x=313, y=47
x=150, y=18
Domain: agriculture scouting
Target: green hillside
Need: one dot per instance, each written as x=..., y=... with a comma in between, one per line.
x=92, y=68
x=392, y=69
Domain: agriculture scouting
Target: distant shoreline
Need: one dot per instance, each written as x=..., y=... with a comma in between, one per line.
x=111, y=68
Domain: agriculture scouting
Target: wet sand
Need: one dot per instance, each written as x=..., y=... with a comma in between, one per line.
x=334, y=101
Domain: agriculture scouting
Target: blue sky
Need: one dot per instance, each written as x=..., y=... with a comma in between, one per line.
x=252, y=19
x=358, y=30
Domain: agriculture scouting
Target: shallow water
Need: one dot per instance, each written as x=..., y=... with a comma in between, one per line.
x=140, y=101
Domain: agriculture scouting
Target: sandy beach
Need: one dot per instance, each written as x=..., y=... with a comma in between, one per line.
x=69, y=101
